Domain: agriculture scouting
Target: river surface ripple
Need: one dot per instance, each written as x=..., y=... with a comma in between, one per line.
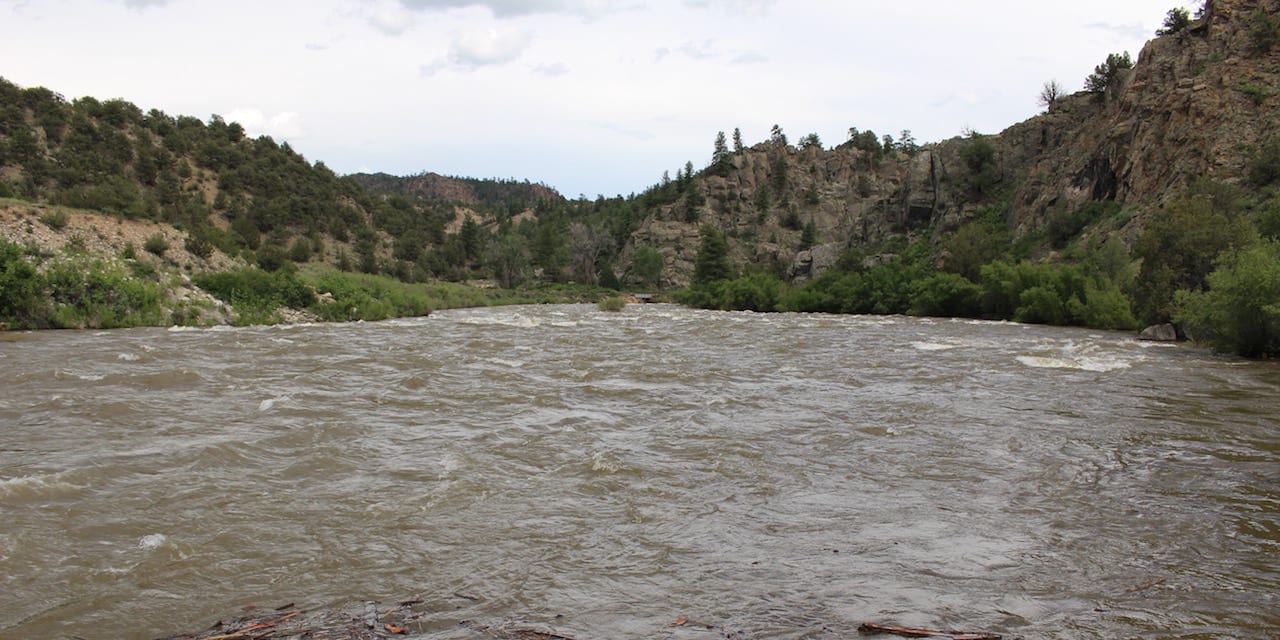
x=785, y=476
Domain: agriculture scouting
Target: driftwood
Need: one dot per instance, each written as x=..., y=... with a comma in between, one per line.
x=326, y=623
x=915, y=632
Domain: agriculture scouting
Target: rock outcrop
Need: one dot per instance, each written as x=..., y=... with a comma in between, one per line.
x=1196, y=103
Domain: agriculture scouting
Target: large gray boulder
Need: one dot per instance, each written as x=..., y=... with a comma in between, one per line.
x=1160, y=333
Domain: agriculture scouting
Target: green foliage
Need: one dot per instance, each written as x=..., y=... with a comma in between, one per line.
x=1268, y=218
x=712, y=261
x=612, y=303
x=1179, y=245
x=1240, y=310
x=300, y=249
x=72, y=291
x=1105, y=74
x=156, y=244
x=809, y=235
x=946, y=295
x=759, y=291
x=1175, y=21
x=253, y=292
x=974, y=244
x=369, y=297
x=1065, y=225
x=21, y=299
x=90, y=293
x=55, y=219
x=1264, y=166
x=1264, y=32
x=979, y=157
x=646, y=265
x=1042, y=293
x=198, y=243
x=271, y=257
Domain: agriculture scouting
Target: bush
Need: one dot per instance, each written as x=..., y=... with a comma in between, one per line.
x=1063, y=225
x=1178, y=248
x=198, y=244
x=1265, y=31
x=20, y=288
x=946, y=295
x=369, y=297
x=56, y=219
x=612, y=303
x=1175, y=21
x=255, y=290
x=1240, y=311
x=156, y=244
x=91, y=294
x=1264, y=166
x=979, y=157
x=1105, y=74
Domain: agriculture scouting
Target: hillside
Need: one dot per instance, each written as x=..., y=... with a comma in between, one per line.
x=1097, y=211
x=470, y=192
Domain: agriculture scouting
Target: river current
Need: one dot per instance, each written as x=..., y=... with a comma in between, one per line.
x=605, y=474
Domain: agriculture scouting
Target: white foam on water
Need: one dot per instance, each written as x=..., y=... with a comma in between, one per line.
x=269, y=403
x=45, y=485
x=129, y=357
x=1085, y=363
x=933, y=346
x=152, y=541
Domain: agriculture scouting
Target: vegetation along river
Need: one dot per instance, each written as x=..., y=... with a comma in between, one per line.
x=605, y=474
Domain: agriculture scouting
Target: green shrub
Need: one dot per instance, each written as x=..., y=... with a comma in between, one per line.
x=255, y=290
x=198, y=244
x=56, y=219
x=20, y=288
x=946, y=295
x=1105, y=74
x=1264, y=166
x=156, y=244
x=1064, y=225
x=1178, y=19
x=612, y=303
x=1264, y=33
x=89, y=293
x=1240, y=310
x=353, y=296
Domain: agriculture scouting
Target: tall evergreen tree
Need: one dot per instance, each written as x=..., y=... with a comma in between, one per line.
x=712, y=261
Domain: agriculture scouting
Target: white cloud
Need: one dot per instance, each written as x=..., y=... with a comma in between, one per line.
x=145, y=4
x=392, y=21
x=486, y=47
x=751, y=8
x=551, y=70
x=285, y=125
x=511, y=8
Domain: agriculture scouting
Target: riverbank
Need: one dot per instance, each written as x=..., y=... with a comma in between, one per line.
x=66, y=268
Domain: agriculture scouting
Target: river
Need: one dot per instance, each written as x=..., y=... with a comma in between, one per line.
x=605, y=474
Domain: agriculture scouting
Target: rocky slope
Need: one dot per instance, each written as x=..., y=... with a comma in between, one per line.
x=1196, y=103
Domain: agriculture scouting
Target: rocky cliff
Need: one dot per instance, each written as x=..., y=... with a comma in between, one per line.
x=1197, y=103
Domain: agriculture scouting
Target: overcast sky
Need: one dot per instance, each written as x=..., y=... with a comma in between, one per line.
x=588, y=96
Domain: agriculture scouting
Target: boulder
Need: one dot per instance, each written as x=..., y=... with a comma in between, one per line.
x=1160, y=333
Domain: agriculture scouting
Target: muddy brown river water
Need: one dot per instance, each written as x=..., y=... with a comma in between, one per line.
x=784, y=476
